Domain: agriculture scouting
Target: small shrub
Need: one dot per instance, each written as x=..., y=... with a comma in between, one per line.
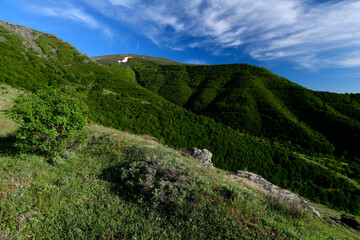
x=161, y=180
x=290, y=207
x=231, y=192
x=49, y=122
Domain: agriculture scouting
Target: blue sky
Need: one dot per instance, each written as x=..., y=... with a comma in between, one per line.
x=315, y=43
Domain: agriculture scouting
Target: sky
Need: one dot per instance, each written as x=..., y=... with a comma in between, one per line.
x=315, y=43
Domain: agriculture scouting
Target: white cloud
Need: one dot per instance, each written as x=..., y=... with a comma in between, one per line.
x=71, y=13
x=351, y=62
x=179, y=49
x=291, y=30
x=74, y=14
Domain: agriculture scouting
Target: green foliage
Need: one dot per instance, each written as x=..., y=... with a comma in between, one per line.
x=49, y=122
x=292, y=208
x=253, y=100
x=58, y=51
x=162, y=180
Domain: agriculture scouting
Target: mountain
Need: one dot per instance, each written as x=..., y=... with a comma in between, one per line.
x=145, y=96
x=256, y=101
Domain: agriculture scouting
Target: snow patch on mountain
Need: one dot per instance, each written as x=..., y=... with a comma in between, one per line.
x=124, y=60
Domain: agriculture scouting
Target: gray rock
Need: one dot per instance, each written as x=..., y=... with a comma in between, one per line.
x=278, y=193
x=203, y=156
x=24, y=32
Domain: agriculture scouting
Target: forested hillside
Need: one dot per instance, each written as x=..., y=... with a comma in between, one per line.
x=31, y=60
x=254, y=100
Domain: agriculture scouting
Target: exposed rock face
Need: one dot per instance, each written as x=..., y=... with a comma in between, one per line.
x=26, y=33
x=270, y=189
x=201, y=155
x=23, y=32
x=29, y=35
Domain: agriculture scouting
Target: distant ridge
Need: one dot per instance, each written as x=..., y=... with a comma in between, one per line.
x=118, y=57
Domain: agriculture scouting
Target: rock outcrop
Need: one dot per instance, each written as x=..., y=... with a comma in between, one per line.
x=282, y=195
x=203, y=156
x=29, y=35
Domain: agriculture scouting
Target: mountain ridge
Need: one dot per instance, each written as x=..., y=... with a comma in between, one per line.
x=114, y=58
x=30, y=36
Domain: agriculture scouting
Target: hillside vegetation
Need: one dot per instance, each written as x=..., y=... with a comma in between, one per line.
x=125, y=186
x=115, y=99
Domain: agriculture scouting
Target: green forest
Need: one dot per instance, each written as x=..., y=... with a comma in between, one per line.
x=254, y=100
x=249, y=118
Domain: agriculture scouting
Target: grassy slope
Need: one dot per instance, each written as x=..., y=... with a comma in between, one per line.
x=7, y=93
x=116, y=100
x=79, y=197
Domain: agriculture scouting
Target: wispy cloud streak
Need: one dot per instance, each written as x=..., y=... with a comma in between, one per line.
x=67, y=11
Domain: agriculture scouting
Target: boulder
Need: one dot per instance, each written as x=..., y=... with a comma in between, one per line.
x=203, y=156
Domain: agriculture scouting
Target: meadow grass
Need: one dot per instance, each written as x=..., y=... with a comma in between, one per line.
x=81, y=195
x=7, y=94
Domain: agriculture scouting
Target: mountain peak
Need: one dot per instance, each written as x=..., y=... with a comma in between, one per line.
x=37, y=41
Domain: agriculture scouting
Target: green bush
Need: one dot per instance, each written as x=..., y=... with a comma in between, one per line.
x=166, y=181
x=49, y=122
